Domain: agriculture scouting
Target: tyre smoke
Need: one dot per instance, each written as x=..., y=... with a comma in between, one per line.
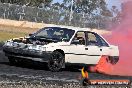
x=122, y=37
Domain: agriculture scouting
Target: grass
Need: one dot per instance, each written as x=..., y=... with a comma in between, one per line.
x=9, y=32
x=16, y=29
x=7, y=35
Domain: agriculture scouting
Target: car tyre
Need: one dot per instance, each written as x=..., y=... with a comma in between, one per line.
x=56, y=62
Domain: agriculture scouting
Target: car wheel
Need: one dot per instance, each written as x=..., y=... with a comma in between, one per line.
x=12, y=61
x=56, y=61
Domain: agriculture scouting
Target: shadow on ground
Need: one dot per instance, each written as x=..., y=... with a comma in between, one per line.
x=39, y=66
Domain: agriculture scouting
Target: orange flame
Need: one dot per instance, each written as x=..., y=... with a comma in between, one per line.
x=84, y=73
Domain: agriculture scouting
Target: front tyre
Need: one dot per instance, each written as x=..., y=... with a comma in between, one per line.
x=56, y=61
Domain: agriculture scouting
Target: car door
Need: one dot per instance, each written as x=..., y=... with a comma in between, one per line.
x=95, y=47
x=76, y=52
x=87, y=53
x=103, y=45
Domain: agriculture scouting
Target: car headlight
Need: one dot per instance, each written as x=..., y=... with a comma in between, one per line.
x=42, y=48
x=9, y=43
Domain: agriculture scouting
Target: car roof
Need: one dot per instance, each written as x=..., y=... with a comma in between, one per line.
x=71, y=27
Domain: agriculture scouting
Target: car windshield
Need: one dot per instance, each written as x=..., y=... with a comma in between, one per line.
x=55, y=33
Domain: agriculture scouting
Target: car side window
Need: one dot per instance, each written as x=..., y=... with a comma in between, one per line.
x=101, y=41
x=79, y=38
x=95, y=40
x=92, y=40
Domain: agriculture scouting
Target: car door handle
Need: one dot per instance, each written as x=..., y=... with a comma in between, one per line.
x=86, y=48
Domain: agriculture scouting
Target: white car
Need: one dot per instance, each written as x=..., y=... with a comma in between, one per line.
x=60, y=45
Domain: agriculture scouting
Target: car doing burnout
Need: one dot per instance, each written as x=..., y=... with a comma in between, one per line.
x=60, y=45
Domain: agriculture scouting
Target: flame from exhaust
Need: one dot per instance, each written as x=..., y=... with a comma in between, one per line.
x=84, y=73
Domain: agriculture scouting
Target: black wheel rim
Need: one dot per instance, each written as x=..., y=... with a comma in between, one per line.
x=56, y=62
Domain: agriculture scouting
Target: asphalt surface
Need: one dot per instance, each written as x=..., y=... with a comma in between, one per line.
x=36, y=75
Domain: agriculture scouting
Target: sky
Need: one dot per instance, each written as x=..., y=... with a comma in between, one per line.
x=110, y=3
x=54, y=1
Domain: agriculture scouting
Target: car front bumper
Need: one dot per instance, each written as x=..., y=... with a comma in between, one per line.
x=36, y=55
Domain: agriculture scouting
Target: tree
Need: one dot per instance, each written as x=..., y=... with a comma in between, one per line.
x=27, y=2
x=86, y=12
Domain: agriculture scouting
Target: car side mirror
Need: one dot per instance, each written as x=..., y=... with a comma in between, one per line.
x=30, y=34
x=75, y=42
x=64, y=39
x=99, y=45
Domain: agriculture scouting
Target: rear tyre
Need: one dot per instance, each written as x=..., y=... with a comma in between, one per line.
x=56, y=61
